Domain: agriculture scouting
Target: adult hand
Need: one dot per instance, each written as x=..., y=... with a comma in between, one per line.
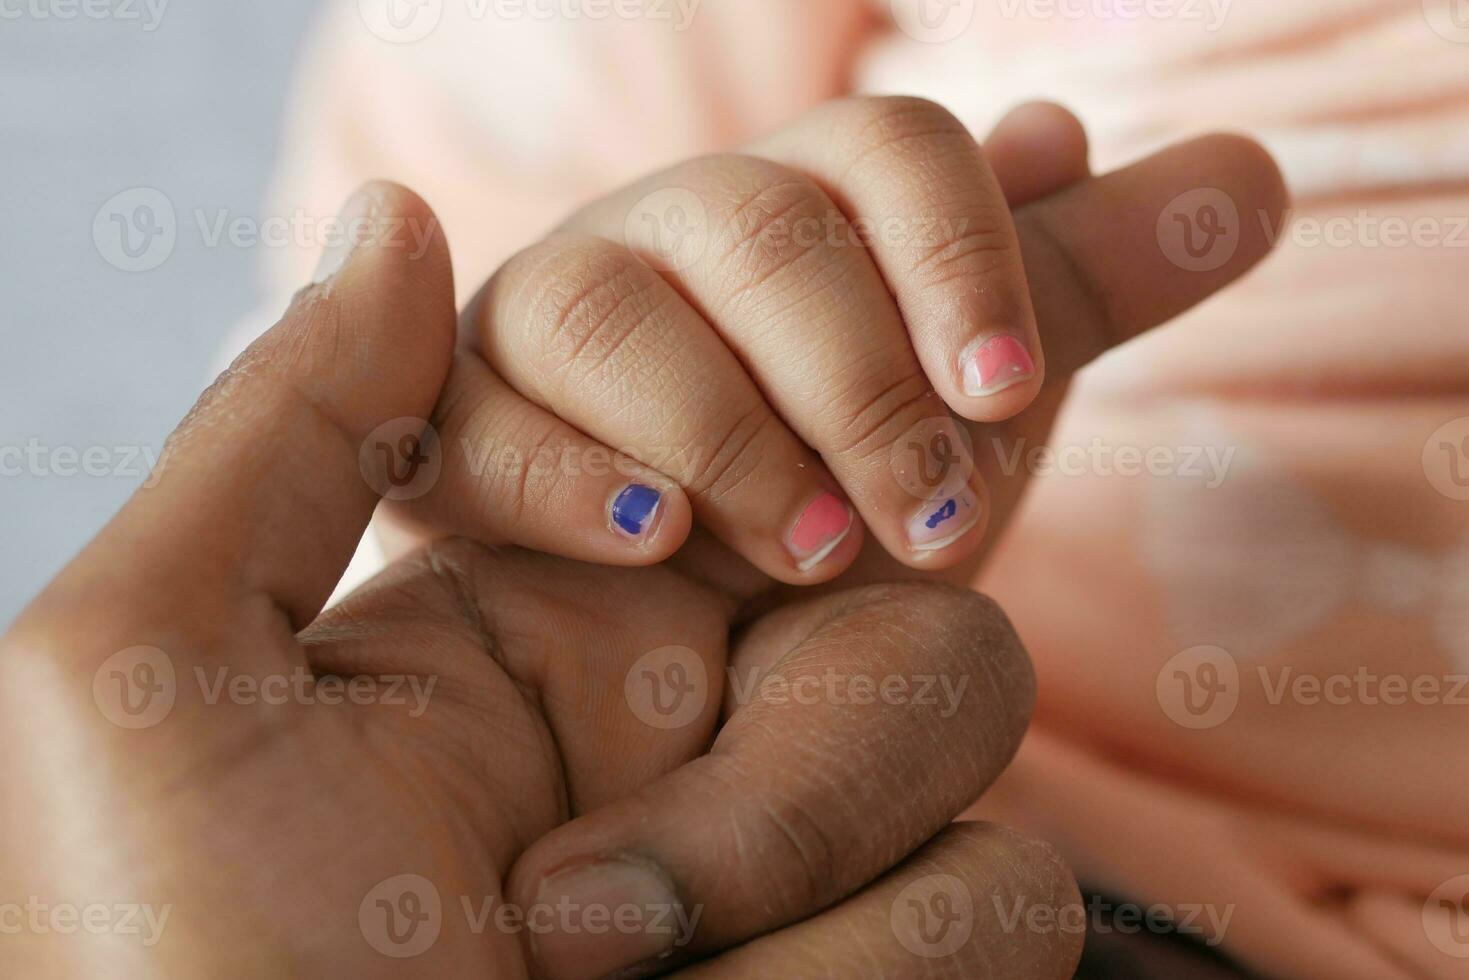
x=281, y=791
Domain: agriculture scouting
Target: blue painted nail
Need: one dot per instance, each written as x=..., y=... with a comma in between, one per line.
x=634, y=508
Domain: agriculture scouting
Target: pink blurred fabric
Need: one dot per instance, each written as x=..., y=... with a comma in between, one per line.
x=1330, y=549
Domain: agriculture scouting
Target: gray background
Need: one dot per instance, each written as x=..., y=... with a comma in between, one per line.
x=93, y=356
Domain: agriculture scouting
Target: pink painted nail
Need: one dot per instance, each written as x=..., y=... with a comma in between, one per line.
x=996, y=364
x=819, y=529
x=940, y=523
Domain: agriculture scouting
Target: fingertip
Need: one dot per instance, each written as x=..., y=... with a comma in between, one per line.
x=650, y=518
x=1000, y=375
x=822, y=542
x=382, y=304
x=1036, y=149
x=946, y=530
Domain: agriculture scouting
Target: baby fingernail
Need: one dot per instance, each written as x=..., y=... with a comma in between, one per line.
x=635, y=508
x=939, y=523
x=583, y=942
x=819, y=529
x=996, y=364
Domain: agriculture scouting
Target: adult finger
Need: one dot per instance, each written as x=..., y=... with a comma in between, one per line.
x=979, y=902
x=1036, y=150
x=813, y=788
x=263, y=491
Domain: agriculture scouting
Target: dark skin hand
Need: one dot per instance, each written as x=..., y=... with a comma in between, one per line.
x=493, y=751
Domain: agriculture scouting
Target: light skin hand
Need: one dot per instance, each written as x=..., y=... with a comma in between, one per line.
x=866, y=315
x=311, y=834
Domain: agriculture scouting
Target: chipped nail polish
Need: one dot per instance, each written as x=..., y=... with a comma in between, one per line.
x=940, y=523
x=996, y=364
x=635, y=508
x=818, y=531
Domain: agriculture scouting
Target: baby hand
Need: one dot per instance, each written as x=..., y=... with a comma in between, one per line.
x=775, y=344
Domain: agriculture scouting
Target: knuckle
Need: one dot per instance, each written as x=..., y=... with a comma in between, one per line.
x=888, y=129
x=718, y=467
x=771, y=225
x=863, y=424
x=535, y=469
x=784, y=846
x=585, y=301
x=962, y=634
x=964, y=249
